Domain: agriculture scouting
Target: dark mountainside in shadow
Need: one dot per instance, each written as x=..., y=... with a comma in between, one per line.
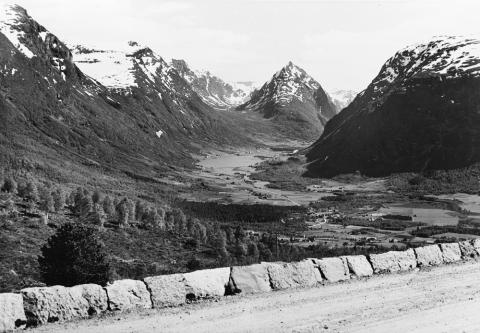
x=419, y=113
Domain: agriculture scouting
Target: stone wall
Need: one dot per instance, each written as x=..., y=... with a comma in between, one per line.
x=35, y=306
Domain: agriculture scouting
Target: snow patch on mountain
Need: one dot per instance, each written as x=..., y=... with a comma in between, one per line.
x=342, y=98
x=211, y=89
x=246, y=86
x=445, y=56
x=288, y=84
x=10, y=19
x=123, y=69
x=113, y=69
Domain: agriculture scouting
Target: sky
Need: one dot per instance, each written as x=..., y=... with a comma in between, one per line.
x=342, y=44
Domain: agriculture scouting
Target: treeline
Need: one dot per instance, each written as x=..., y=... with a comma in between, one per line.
x=238, y=212
x=465, y=180
x=386, y=224
x=436, y=230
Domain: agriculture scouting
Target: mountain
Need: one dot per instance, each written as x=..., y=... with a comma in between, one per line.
x=421, y=112
x=247, y=86
x=119, y=111
x=342, y=98
x=295, y=100
x=213, y=90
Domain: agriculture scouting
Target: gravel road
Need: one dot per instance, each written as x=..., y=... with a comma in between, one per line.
x=441, y=299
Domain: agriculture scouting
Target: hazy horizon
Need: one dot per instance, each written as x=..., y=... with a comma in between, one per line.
x=342, y=44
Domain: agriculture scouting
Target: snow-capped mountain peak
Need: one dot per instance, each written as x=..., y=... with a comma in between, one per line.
x=30, y=39
x=444, y=57
x=288, y=84
x=293, y=98
x=11, y=18
x=213, y=90
x=123, y=69
x=342, y=98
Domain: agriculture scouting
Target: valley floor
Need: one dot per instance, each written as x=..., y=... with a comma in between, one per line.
x=442, y=299
x=227, y=177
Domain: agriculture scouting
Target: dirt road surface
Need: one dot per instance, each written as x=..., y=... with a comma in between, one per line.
x=441, y=299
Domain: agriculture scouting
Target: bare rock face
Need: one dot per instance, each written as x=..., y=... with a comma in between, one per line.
x=125, y=295
x=451, y=252
x=207, y=283
x=293, y=275
x=467, y=249
x=429, y=255
x=333, y=269
x=167, y=290
x=359, y=266
x=250, y=279
x=393, y=261
x=58, y=303
x=12, y=315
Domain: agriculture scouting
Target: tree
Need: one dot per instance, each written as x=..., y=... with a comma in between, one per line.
x=140, y=210
x=31, y=192
x=10, y=186
x=220, y=243
x=153, y=218
x=253, y=252
x=179, y=220
x=122, y=213
x=200, y=232
x=96, y=197
x=58, y=199
x=108, y=207
x=10, y=207
x=131, y=210
x=47, y=204
x=74, y=255
x=240, y=250
x=95, y=217
x=239, y=234
x=264, y=251
x=83, y=205
x=77, y=196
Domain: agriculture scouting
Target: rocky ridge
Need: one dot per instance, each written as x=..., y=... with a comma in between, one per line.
x=213, y=90
x=293, y=98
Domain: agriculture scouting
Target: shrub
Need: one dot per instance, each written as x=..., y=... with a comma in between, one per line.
x=10, y=207
x=10, y=186
x=74, y=255
x=191, y=244
x=194, y=264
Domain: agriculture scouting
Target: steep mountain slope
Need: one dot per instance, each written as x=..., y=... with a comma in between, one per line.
x=421, y=112
x=137, y=115
x=342, y=98
x=295, y=100
x=213, y=90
